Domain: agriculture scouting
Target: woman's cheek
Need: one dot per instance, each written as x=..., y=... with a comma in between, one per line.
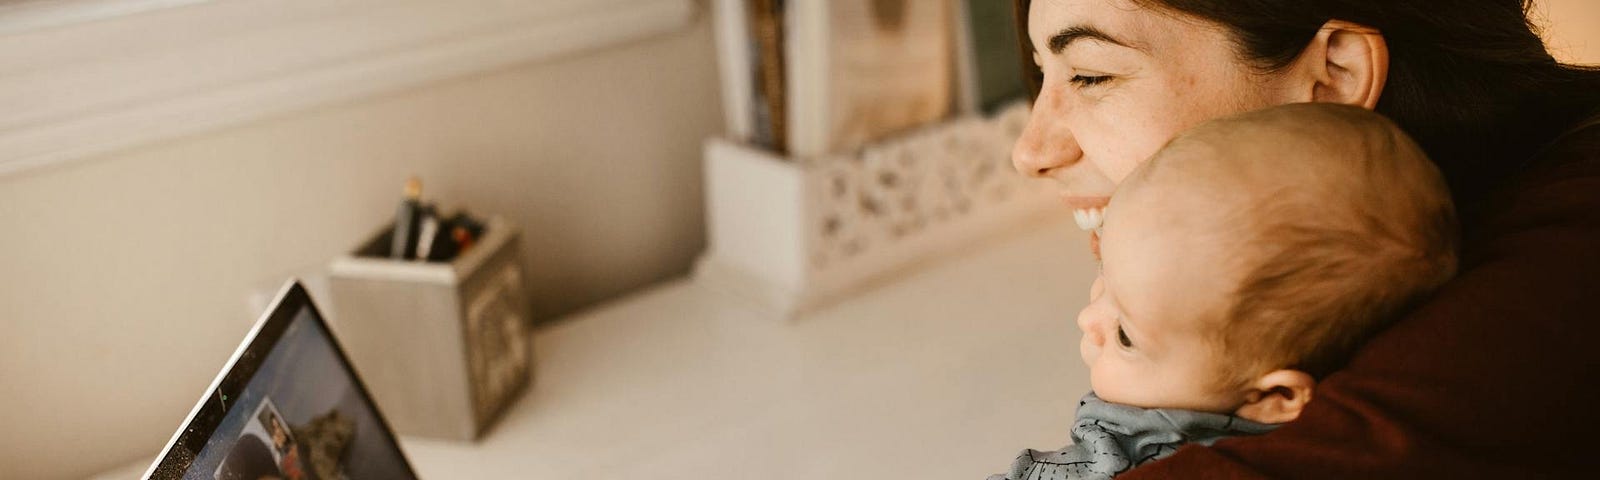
x=1125, y=142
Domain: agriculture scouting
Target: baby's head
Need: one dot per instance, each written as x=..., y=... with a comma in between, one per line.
x=1255, y=253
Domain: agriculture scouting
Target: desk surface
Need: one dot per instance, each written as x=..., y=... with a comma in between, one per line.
x=946, y=372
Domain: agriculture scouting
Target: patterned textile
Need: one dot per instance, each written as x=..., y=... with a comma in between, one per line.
x=1108, y=439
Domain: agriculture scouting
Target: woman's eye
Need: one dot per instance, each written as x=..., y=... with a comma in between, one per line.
x=1122, y=337
x=1089, y=81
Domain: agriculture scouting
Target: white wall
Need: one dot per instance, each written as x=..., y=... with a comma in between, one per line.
x=123, y=280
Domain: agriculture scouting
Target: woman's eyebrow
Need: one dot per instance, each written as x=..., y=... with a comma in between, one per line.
x=1066, y=36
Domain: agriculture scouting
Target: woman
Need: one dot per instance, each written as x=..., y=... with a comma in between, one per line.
x=1495, y=376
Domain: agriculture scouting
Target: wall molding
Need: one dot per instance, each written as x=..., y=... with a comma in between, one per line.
x=25, y=15
x=77, y=91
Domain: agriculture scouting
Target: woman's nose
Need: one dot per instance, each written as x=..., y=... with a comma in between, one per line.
x=1046, y=143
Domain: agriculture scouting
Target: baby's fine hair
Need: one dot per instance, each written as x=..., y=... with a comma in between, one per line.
x=1349, y=227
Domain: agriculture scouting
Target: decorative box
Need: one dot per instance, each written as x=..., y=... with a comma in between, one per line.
x=796, y=234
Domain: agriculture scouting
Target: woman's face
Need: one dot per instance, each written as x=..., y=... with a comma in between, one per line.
x=1120, y=80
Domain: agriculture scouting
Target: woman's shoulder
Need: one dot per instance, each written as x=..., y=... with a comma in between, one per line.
x=1559, y=184
x=1575, y=148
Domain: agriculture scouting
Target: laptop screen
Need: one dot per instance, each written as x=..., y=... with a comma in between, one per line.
x=288, y=407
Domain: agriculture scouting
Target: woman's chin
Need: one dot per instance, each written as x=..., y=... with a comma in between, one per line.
x=1094, y=244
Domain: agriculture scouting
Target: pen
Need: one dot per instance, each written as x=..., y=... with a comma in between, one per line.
x=403, y=244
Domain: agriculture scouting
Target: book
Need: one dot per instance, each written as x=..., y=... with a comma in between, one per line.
x=770, y=102
x=736, y=67
x=989, y=62
x=861, y=70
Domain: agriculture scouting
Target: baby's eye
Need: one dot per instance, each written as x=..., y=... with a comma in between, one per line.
x=1122, y=337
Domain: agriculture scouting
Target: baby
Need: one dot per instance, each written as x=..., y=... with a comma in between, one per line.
x=1244, y=261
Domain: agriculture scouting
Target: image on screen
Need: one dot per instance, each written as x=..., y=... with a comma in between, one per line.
x=301, y=416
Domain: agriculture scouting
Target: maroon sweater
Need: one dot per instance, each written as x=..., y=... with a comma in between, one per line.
x=1497, y=376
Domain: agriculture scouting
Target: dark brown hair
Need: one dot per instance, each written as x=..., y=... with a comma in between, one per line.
x=1470, y=80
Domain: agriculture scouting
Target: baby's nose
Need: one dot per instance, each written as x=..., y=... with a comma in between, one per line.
x=1087, y=321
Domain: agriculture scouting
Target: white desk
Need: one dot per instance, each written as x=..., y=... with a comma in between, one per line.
x=943, y=374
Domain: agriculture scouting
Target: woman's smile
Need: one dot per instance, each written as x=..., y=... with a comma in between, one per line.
x=1089, y=212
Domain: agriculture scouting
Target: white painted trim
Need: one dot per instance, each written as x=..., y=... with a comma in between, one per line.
x=29, y=15
x=80, y=90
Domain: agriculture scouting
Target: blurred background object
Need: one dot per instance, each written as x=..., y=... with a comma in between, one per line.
x=865, y=138
x=859, y=71
x=812, y=78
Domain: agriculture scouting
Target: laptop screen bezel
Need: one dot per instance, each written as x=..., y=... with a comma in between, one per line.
x=203, y=420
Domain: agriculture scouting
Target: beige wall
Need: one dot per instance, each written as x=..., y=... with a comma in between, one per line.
x=123, y=280
x=1572, y=29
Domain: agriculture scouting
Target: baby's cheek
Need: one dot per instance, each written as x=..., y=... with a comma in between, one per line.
x=1097, y=382
x=1113, y=383
x=1088, y=351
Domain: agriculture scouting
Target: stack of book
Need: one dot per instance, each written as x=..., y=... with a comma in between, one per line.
x=818, y=77
x=865, y=137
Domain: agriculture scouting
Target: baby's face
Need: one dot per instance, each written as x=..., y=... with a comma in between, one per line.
x=1148, y=333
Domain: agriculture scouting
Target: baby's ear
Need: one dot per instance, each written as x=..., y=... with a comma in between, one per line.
x=1277, y=397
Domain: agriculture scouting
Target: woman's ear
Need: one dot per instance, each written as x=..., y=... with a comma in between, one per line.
x=1277, y=397
x=1347, y=63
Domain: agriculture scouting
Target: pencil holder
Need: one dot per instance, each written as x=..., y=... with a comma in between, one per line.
x=444, y=347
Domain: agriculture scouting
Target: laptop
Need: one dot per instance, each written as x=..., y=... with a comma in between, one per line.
x=286, y=406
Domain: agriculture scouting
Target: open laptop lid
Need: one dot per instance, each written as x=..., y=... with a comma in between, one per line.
x=287, y=405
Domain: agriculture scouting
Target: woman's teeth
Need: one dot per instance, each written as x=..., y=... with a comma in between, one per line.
x=1089, y=219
